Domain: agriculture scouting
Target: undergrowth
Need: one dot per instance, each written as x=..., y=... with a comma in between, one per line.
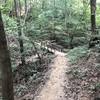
x=75, y=54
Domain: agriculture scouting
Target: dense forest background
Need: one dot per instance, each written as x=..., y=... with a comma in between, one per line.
x=33, y=31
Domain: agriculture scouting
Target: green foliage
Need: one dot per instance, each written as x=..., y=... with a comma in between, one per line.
x=97, y=86
x=6, y=7
x=98, y=66
x=75, y=54
x=45, y=18
x=98, y=14
x=10, y=25
x=62, y=39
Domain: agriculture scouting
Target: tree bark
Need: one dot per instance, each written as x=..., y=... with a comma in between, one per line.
x=25, y=7
x=5, y=66
x=19, y=33
x=65, y=16
x=93, y=15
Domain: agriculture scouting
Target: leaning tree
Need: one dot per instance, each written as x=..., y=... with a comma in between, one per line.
x=5, y=65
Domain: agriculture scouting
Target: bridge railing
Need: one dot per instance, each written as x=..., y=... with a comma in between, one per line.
x=51, y=46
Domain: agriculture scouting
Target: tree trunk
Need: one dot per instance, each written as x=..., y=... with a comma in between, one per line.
x=93, y=15
x=19, y=33
x=65, y=16
x=93, y=22
x=5, y=66
x=25, y=7
x=36, y=51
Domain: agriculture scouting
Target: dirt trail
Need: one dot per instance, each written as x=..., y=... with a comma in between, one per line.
x=53, y=89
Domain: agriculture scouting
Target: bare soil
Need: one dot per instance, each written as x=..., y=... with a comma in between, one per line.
x=54, y=88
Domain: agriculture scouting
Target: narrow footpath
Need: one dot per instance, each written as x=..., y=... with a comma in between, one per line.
x=54, y=88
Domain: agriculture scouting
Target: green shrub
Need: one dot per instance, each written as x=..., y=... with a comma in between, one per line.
x=97, y=86
x=75, y=54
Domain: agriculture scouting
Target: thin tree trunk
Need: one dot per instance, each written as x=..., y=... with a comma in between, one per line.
x=37, y=52
x=25, y=7
x=5, y=64
x=19, y=33
x=43, y=5
x=65, y=17
x=53, y=32
x=93, y=15
x=20, y=8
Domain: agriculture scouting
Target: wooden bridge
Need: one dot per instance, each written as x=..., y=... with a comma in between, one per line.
x=51, y=46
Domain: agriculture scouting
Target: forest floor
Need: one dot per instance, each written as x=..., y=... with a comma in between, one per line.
x=54, y=88
x=83, y=78
x=59, y=79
